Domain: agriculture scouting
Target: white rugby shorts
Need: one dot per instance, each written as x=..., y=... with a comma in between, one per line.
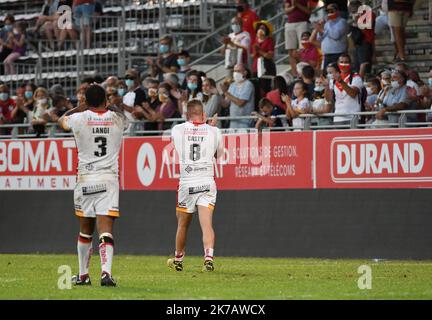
x=191, y=195
x=97, y=198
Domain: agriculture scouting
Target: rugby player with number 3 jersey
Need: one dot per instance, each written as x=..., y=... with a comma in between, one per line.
x=197, y=145
x=98, y=134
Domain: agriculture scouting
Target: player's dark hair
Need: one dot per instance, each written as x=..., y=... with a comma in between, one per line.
x=95, y=96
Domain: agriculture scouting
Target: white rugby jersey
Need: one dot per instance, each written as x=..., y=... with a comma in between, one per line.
x=196, y=145
x=98, y=136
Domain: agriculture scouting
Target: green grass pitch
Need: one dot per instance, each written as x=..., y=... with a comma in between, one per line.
x=147, y=277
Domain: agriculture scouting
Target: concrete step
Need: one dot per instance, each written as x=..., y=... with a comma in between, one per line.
x=385, y=42
x=418, y=60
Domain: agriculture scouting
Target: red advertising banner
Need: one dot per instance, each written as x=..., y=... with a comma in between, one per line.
x=251, y=161
x=400, y=158
x=374, y=159
x=48, y=164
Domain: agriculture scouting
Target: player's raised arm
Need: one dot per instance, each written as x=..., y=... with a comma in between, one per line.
x=63, y=121
x=220, y=144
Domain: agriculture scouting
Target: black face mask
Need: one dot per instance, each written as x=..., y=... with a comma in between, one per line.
x=240, y=9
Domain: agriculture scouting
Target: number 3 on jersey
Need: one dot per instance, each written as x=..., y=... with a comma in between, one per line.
x=102, y=149
x=195, y=152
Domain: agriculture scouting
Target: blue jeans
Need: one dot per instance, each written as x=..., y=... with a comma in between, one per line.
x=83, y=14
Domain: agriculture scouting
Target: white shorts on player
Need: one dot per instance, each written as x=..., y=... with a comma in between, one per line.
x=191, y=195
x=97, y=198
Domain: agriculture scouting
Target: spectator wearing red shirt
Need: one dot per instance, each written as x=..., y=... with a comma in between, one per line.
x=280, y=88
x=309, y=54
x=298, y=14
x=6, y=106
x=248, y=16
x=263, y=47
x=363, y=36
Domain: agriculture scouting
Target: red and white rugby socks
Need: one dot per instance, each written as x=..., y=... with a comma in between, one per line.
x=179, y=256
x=85, y=251
x=106, y=251
x=208, y=254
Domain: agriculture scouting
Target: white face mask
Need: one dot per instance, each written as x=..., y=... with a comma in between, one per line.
x=238, y=77
x=386, y=82
x=395, y=84
x=329, y=76
x=331, y=84
x=235, y=28
x=43, y=101
x=369, y=91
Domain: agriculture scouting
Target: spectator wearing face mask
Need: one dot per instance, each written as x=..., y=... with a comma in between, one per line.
x=7, y=105
x=19, y=47
x=300, y=105
x=193, y=91
x=166, y=109
x=373, y=88
x=333, y=35
x=135, y=97
x=263, y=65
x=40, y=113
x=237, y=40
x=24, y=105
x=6, y=43
x=263, y=47
x=240, y=97
x=248, y=17
x=395, y=98
x=194, y=85
x=319, y=105
x=348, y=87
x=121, y=88
x=166, y=61
x=308, y=54
x=183, y=60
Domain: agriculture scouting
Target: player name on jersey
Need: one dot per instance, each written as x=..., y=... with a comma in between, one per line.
x=101, y=130
x=195, y=139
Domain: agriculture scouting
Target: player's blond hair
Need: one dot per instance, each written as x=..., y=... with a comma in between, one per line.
x=194, y=108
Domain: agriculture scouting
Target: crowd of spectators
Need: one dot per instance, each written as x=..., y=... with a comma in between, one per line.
x=331, y=60
x=52, y=27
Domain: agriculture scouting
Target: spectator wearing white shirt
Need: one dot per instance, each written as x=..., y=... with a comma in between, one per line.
x=347, y=87
x=300, y=105
x=238, y=40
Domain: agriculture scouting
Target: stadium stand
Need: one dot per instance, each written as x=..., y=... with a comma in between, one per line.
x=128, y=33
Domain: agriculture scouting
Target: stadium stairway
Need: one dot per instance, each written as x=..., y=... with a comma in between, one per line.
x=418, y=43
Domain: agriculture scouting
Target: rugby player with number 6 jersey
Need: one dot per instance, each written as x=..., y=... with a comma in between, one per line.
x=98, y=133
x=197, y=145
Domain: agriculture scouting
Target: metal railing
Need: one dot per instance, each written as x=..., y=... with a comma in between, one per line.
x=311, y=122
